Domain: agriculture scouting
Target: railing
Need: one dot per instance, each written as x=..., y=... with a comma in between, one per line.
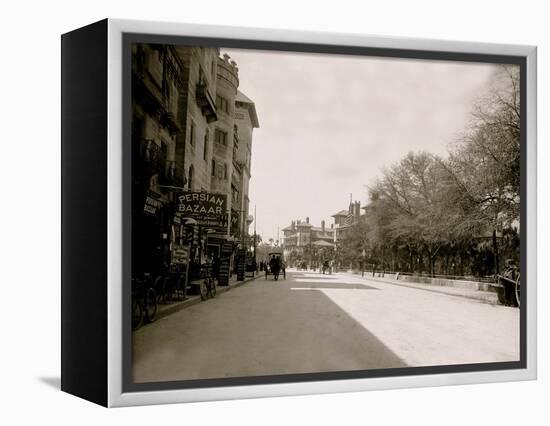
x=169, y=119
x=381, y=272
x=173, y=175
x=152, y=155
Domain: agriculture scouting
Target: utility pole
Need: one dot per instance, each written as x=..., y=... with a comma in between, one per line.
x=255, y=239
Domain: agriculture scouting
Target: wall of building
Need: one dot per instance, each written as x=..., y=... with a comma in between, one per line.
x=197, y=131
x=224, y=136
x=245, y=121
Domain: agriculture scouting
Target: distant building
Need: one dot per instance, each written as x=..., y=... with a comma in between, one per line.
x=344, y=220
x=300, y=237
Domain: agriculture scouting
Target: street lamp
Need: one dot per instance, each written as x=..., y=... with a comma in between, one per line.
x=364, y=254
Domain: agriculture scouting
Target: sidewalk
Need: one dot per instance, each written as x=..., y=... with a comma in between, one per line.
x=458, y=291
x=164, y=310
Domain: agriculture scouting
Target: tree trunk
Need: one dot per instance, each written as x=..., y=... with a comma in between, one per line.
x=495, y=251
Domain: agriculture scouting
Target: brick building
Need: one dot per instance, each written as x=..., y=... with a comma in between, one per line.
x=302, y=240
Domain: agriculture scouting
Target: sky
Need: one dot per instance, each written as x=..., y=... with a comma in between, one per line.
x=329, y=125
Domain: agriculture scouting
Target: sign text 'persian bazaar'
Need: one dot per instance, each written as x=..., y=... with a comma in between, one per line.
x=205, y=207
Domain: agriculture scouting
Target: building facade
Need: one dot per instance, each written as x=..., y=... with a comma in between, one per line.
x=344, y=220
x=246, y=120
x=304, y=242
x=186, y=139
x=157, y=81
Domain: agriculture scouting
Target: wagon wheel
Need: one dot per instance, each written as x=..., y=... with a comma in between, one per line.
x=518, y=288
x=203, y=290
x=137, y=312
x=158, y=287
x=213, y=287
x=151, y=306
x=166, y=291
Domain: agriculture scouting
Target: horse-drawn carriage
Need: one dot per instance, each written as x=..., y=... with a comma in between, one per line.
x=275, y=265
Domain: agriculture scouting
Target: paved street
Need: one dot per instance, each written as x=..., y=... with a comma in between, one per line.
x=318, y=323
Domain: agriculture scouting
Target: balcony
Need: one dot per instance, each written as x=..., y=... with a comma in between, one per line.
x=206, y=103
x=153, y=156
x=172, y=175
x=169, y=120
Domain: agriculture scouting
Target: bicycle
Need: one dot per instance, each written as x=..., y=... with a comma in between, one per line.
x=509, y=293
x=208, y=283
x=144, y=300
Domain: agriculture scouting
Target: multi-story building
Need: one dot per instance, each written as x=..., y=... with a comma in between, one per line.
x=223, y=179
x=157, y=72
x=186, y=136
x=197, y=113
x=344, y=220
x=246, y=120
x=302, y=240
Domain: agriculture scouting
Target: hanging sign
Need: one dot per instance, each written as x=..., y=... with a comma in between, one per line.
x=208, y=209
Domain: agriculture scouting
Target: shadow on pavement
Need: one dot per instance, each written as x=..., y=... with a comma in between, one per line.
x=263, y=328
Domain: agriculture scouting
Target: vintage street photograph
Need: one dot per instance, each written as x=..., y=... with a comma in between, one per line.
x=312, y=213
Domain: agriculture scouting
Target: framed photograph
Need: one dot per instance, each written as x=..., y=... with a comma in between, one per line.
x=253, y=213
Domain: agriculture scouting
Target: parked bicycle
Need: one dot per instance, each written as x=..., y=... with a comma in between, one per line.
x=208, y=282
x=144, y=300
x=170, y=287
x=509, y=292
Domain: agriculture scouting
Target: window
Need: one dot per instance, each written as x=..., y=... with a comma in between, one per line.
x=205, y=148
x=221, y=137
x=213, y=167
x=192, y=135
x=155, y=66
x=191, y=176
x=225, y=171
x=201, y=77
x=219, y=171
x=172, y=96
x=222, y=104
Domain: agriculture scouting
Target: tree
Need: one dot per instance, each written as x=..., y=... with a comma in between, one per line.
x=486, y=162
x=411, y=208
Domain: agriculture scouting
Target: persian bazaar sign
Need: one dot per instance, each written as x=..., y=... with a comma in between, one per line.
x=202, y=206
x=152, y=204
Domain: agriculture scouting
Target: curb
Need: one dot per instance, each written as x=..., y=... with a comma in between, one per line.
x=195, y=299
x=436, y=290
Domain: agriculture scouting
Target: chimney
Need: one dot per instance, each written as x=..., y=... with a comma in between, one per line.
x=293, y=225
x=323, y=226
x=332, y=226
x=307, y=220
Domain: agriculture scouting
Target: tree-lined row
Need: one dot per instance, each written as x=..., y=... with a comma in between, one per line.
x=456, y=215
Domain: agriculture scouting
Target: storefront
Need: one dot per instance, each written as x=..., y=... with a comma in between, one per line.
x=207, y=215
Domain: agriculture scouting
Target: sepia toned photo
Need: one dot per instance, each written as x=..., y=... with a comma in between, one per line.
x=297, y=213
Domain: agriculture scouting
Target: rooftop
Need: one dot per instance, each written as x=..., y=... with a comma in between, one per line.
x=241, y=97
x=341, y=213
